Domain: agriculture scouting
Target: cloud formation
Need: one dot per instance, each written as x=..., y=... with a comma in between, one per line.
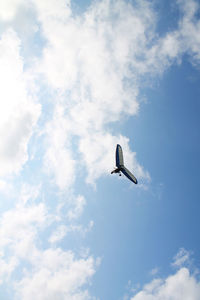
x=90, y=70
x=91, y=77
x=184, y=284
x=114, y=46
x=181, y=286
x=58, y=276
x=181, y=258
x=49, y=272
x=8, y=9
x=94, y=64
x=19, y=110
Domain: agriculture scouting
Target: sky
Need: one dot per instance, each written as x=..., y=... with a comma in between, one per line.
x=78, y=78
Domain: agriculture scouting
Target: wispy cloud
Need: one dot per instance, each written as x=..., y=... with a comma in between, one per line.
x=182, y=258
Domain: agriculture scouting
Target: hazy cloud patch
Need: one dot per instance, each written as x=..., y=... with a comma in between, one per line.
x=182, y=258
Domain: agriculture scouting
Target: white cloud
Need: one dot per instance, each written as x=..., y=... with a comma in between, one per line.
x=7, y=267
x=154, y=271
x=49, y=273
x=58, y=234
x=19, y=112
x=88, y=67
x=77, y=209
x=180, y=286
x=62, y=230
x=183, y=285
x=9, y=8
x=181, y=258
x=29, y=192
x=58, y=275
x=19, y=226
x=58, y=159
x=80, y=229
x=2, y=184
x=5, y=187
x=189, y=28
x=170, y=49
x=18, y=234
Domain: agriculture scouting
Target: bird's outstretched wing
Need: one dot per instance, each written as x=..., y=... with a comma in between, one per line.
x=128, y=174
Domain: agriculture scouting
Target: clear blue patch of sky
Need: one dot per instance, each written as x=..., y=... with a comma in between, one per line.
x=116, y=215
x=169, y=15
x=79, y=7
x=166, y=138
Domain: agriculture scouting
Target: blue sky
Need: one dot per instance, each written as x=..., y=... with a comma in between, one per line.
x=77, y=78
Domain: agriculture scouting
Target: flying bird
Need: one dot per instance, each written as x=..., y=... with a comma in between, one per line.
x=120, y=165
